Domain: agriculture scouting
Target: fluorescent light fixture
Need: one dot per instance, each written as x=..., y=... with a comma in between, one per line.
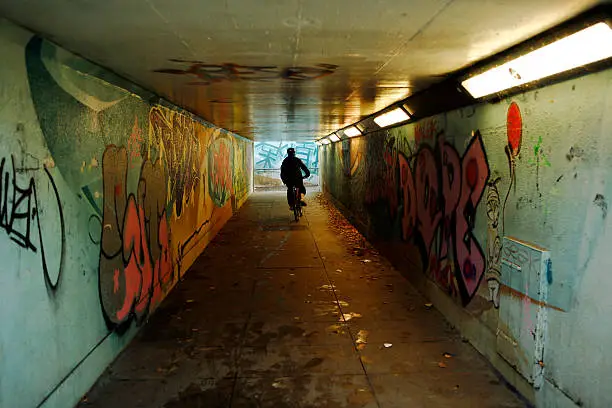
x=318, y=143
x=334, y=137
x=352, y=131
x=584, y=47
x=325, y=141
x=389, y=118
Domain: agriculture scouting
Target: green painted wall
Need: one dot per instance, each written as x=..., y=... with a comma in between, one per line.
x=441, y=194
x=105, y=201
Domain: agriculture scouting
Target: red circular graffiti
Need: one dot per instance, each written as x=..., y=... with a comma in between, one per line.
x=514, y=128
x=471, y=173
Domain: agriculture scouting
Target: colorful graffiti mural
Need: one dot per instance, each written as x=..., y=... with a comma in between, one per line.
x=135, y=259
x=105, y=201
x=174, y=133
x=430, y=193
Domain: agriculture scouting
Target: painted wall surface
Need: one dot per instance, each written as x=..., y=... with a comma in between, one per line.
x=105, y=200
x=443, y=192
x=270, y=155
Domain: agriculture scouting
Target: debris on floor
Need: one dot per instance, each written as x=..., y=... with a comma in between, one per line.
x=362, y=339
x=349, y=316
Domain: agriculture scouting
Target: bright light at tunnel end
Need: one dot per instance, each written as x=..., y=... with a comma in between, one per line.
x=392, y=117
x=581, y=48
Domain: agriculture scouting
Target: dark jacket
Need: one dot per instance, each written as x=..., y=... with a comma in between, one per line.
x=291, y=171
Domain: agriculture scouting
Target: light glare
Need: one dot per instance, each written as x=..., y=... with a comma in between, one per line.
x=352, y=131
x=333, y=137
x=325, y=141
x=584, y=47
x=391, y=117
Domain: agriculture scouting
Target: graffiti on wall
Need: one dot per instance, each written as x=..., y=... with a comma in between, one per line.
x=174, y=133
x=153, y=183
x=207, y=74
x=514, y=132
x=270, y=155
x=494, y=242
x=433, y=194
x=20, y=217
x=219, y=160
x=135, y=259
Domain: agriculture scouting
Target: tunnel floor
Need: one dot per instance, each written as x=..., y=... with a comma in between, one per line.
x=282, y=314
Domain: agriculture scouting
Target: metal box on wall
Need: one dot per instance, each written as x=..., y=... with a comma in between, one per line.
x=521, y=331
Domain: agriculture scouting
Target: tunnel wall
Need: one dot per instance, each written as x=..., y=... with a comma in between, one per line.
x=105, y=200
x=440, y=195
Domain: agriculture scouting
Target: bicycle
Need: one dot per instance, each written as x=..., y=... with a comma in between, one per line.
x=297, y=203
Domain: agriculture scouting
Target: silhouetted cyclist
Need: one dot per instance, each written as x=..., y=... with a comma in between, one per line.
x=291, y=175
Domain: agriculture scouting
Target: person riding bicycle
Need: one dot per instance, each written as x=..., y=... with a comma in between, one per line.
x=291, y=175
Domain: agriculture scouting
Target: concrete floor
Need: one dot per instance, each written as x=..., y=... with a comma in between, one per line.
x=279, y=314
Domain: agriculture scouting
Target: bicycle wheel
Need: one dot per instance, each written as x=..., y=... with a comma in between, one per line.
x=297, y=206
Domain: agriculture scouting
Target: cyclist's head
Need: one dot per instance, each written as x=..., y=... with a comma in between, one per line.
x=291, y=151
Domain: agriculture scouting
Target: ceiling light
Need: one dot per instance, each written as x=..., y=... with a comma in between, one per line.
x=334, y=137
x=584, y=47
x=389, y=118
x=352, y=131
x=318, y=143
x=325, y=141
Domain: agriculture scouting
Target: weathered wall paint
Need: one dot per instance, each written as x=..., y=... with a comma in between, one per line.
x=441, y=194
x=105, y=200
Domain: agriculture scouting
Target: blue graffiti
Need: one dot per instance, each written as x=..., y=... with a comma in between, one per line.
x=270, y=155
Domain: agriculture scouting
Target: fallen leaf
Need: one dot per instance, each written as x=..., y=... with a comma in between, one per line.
x=362, y=337
x=349, y=316
x=441, y=365
x=447, y=355
x=190, y=301
x=387, y=345
x=366, y=261
x=428, y=305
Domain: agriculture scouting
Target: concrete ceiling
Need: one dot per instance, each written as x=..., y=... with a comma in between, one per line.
x=287, y=69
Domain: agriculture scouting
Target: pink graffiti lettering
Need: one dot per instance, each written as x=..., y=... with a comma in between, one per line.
x=439, y=201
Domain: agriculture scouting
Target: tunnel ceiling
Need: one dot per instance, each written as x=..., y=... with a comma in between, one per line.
x=287, y=69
